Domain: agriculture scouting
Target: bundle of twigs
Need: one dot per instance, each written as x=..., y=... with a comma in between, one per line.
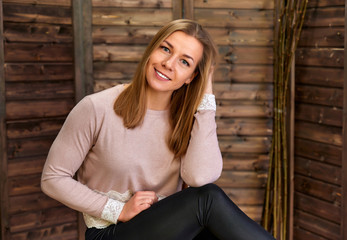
x=288, y=20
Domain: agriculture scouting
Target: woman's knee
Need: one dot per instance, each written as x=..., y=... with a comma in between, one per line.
x=211, y=190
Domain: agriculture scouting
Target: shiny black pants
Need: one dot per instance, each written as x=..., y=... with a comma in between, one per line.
x=195, y=213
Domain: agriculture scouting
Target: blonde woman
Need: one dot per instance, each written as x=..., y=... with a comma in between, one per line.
x=132, y=146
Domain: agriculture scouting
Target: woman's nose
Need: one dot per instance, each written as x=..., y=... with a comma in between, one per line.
x=169, y=62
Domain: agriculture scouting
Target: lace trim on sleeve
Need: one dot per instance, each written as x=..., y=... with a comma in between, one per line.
x=112, y=210
x=208, y=102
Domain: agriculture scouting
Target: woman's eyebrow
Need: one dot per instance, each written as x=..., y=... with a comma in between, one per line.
x=185, y=55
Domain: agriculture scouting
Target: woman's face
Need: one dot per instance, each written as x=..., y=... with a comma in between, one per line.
x=173, y=63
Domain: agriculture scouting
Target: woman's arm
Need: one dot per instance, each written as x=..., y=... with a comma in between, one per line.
x=203, y=161
x=65, y=157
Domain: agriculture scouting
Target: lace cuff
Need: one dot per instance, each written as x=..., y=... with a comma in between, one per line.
x=208, y=102
x=112, y=210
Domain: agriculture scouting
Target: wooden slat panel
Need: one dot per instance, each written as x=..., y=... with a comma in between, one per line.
x=243, y=91
x=318, y=151
x=323, y=57
x=231, y=144
x=245, y=127
x=242, y=37
x=38, y=72
x=28, y=148
x=44, y=2
x=123, y=34
x=329, y=77
x=235, y=179
x=114, y=71
x=245, y=4
x=301, y=234
x=319, y=114
x=322, y=37
x=243, y=73
x=133, y=3
x=314, y=188
x=246, y=55
x=31, y=202
x=324, y=3
x=234, y=18
x=37, y=109
x=67, y=231
x=40, y=90
x=26, y=166
x=244, y=111
x=36, y=13
x=317, y=225
x=254, y=212
x=318, y=170
x=250, y=196
x=32, y=52
x=37, y=33
x=127, y=16
x=34, y=128
x=318, y=207
x=325, y=17
x=44, y=218
x=319, y=133
x=24, y=185
x=319, y=95
x=118, y=53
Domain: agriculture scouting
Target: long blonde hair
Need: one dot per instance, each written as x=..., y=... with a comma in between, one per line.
x=131, y=103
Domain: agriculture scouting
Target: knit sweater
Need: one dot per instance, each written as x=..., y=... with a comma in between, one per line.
x=112, y=162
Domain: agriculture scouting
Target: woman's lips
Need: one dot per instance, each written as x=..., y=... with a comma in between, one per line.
x=161, y=75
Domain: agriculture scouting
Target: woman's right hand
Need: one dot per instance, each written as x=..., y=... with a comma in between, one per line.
x=138, y=202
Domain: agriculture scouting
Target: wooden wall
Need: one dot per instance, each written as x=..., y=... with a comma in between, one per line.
x=38, y=56
x=318, y=127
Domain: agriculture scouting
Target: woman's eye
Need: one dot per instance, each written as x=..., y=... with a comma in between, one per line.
x=185, y=62
x=165, y=49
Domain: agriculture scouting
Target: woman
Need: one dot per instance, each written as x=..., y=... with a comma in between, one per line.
x=134, y=145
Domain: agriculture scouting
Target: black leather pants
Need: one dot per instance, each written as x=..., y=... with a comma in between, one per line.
x=195, y=213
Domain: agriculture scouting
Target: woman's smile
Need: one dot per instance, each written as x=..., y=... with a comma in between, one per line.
x=161, y=76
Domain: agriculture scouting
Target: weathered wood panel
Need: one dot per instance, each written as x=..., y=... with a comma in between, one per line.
x=24, y=148
x=319, y=76
x=244, y=73
x=233, y=179
x=319, y=95
x=244, y=127
x=20, y=185
x=322, y=37
x=322, y=17
x=321, y=57
x=133, y=3
x=44, y=2
x=233, y=144
x=26, y=166
x=246, y=4
x=303, y=234
x=238, y=91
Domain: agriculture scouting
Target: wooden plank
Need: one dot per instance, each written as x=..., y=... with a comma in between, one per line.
x=41, y=2
x=254, y=212
x=324, y=3
x=244, y=127
x=246, y=4
x=130, y=17
x=37, y=33
x=235, y=18
x=241, y=37
x=233, y=144
x=328, y=77
x=320, y=133
x=100, y=85
x=24, y=148
x=134, y=3
x=322, y=37
x=325, y=17
x=235, y=179
x=39, y=90
x=319, y=114
x=246, y=196
x=317, y=170
x=66, y=231
x=34, y=128
x=31, y=202
x=312, y=187
x=28, y=13
x=3, y=140
x=83, y=48
x=38, y=72
x=236, y=73
x=177, y=9
x=20, y=185
x=246, y=55
x=317, y=225
x=188, y=6
x=301, y=234
x=318, y=151
x=321, y=57
x=34, y=52
x=244, y=111
x=319, y=95
x=123, y=34
x=239, y=91
x=118, y=53
x=114, y=71
x=38, y=109
x=44, y=218
x=26, y=166
x=317, y=207
x=246, y=163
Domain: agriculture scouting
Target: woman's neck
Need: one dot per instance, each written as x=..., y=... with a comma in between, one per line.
x=158, y=100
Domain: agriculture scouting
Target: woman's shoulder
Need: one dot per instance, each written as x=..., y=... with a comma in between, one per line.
x=107, y=96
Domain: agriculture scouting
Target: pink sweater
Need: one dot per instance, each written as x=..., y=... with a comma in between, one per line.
x=109, y=157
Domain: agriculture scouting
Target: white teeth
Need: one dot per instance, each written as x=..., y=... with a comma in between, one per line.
x=163, y=76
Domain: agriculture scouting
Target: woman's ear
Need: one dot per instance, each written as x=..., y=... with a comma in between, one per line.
x=192, y=77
